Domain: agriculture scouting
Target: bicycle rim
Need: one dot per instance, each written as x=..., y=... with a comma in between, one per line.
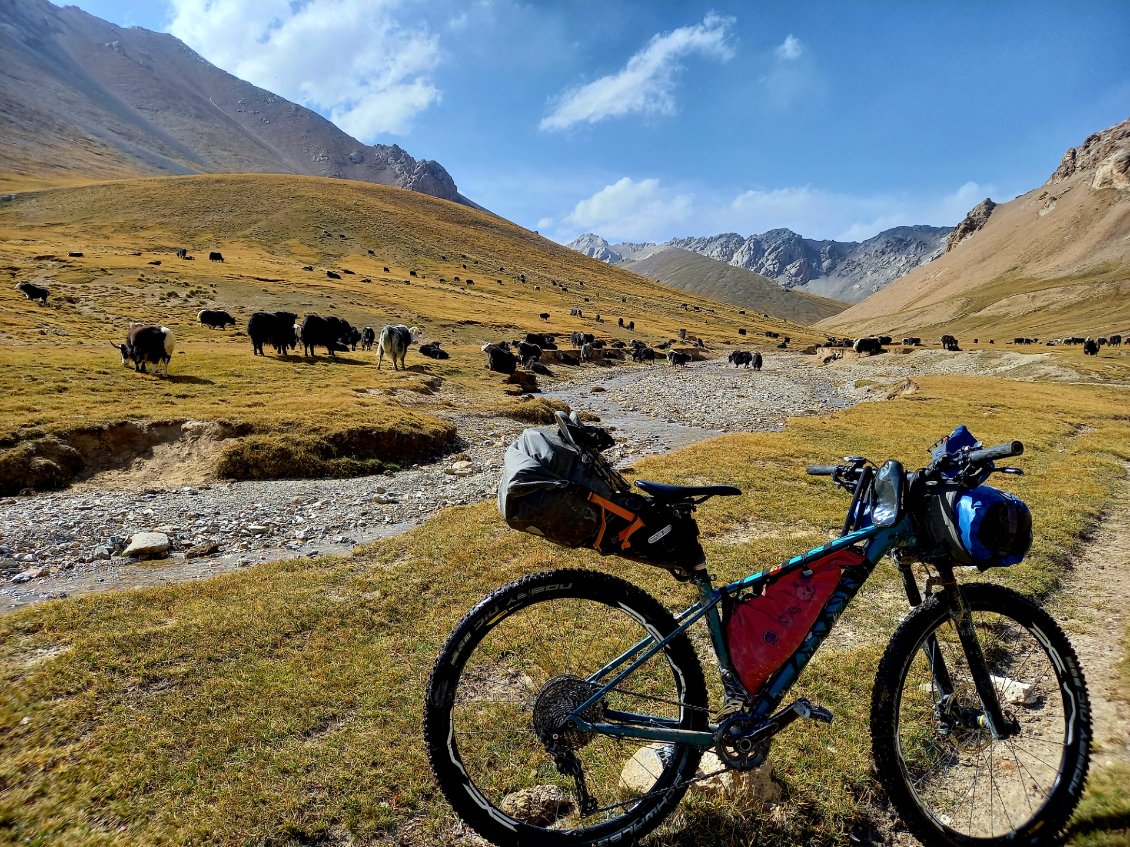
x=964, y=781
x=533, y=661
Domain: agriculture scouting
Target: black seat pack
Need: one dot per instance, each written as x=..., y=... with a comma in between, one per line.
x=554, y=487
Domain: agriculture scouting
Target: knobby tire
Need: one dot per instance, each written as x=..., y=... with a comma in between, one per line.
x=952, y=783
x=483, y=697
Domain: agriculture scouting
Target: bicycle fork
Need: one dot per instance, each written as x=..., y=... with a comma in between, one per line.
x=991, y=716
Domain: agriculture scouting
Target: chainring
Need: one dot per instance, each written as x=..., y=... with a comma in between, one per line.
x=735, y=747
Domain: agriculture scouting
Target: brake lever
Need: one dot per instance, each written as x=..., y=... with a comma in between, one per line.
x=1013, y=471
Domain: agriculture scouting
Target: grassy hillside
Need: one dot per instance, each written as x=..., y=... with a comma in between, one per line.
x=740, y=287
x=281, y=705
x=453, y=271
x=1050, y=263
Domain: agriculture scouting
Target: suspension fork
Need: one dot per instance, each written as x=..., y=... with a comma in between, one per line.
x=962, y=616
x=937, y=662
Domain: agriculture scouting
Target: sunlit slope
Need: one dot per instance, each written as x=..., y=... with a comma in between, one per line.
x=467, y=265
x=740, y=287
x=452, y=271
x=1052, y=262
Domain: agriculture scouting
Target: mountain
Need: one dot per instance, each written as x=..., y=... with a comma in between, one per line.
x=705, y=277
x=847, y=271
x=597, y=248
x=1054, y=261
x=83, y=98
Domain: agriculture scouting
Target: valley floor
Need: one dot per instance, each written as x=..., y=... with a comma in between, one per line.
x=652, y=410
x=281, y=704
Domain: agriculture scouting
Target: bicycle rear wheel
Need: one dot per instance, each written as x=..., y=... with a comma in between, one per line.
x=950, y=780
x=520, y=662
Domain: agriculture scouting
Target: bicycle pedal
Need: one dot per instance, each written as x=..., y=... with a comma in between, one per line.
x=817, y=713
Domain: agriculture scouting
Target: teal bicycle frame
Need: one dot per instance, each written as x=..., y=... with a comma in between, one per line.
x=878, y=542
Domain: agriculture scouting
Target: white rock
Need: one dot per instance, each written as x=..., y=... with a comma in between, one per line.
x=148, y=545
x=640, y=771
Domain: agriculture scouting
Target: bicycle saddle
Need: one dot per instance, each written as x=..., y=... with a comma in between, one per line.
x=671, y=493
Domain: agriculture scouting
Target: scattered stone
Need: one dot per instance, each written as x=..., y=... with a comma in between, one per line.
x=148, y=545
x=29, y=574
x=101, y=552
x=461, y=469
x=540, y=805
x=204, y=548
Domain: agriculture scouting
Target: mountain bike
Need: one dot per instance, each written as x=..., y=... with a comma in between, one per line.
x=570, y=707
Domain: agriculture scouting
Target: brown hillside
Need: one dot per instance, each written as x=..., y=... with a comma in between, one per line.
x=747, y=289
x=85, y=99
x=453, y=271
x=1052, y=262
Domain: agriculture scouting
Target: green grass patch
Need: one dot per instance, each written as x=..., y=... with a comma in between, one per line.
x=1103, y=818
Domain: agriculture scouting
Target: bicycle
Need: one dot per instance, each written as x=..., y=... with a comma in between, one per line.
x=554, y=687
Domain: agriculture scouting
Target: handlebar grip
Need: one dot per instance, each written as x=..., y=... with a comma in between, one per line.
x=1001, y=451
x=822, y=470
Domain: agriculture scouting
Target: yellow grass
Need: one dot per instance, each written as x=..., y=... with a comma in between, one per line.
x=281, y=705
x=452, y=271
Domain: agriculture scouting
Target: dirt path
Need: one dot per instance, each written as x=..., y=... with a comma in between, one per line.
x=1093, y=608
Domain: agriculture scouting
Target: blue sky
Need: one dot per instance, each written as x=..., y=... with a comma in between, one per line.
x=646, y=120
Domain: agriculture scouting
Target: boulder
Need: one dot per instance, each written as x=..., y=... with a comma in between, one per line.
x=204, y=548
x=523, y=379
x=148, y=545
x=1114, y=172
x=537, y=806
x=755, y=786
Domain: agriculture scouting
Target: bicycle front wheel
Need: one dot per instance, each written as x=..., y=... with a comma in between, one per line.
x=515, y=667
x=951, y=781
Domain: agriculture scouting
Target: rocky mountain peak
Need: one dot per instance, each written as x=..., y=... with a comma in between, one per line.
x=1100, y=148
x=595, y=247
x=976, y=219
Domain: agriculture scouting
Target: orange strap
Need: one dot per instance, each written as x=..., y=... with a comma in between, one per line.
x=635, y=523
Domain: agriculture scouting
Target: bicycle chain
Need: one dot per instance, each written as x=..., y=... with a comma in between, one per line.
x=678, y=785
x=662, y=700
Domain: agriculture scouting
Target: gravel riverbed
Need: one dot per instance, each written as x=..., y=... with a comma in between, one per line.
x=68, y=543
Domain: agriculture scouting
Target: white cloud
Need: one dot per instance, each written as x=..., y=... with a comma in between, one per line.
x=350, y=59
x=646, y=84
x=628, y=210
x=646, y=210
x=789, y=49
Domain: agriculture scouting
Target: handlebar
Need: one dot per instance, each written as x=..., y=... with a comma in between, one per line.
x=967, y=467
x=1001, y=451
x=822, y=470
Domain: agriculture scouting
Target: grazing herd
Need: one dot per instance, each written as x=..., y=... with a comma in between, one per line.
x=874, y=344
x=147, y=344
